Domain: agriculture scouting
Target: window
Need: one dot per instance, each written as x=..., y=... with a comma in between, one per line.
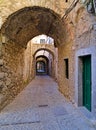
x=42, y=40
x=66, y=68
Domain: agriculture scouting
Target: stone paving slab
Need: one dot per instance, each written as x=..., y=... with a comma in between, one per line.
x=51, y=125
x=30, y=115
x=59, y=111
x=46, y=114
x=74, y=122
x=32, y=126
x=40, y=106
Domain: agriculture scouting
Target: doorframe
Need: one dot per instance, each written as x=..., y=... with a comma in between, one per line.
x=78, y=76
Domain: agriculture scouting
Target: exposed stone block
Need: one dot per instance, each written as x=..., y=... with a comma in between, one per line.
x=8, y=81
x=1, y=83
x=1, y=62
x=1, y=98
x=0, y=49
x=0, y=46
x=1, y=86
x=3, y=39
x=0, y=53
x=2, y=75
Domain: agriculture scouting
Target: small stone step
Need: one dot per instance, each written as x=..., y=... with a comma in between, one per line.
x=87, y=114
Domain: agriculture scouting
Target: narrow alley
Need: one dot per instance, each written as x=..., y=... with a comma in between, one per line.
x=40, y=106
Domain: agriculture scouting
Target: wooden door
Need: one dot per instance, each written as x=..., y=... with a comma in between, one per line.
x=87, y=82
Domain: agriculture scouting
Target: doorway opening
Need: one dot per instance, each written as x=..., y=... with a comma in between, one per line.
x=42, y=65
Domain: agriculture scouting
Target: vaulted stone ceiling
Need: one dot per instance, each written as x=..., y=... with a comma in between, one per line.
x=23, y=25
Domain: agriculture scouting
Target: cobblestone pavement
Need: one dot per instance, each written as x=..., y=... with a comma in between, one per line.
x=40, y=106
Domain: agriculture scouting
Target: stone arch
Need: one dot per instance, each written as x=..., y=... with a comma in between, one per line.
x=26, y=23
x=46, y=49
x=18, y=29
x=45, y=60
x=51, y=64
x=42, y=56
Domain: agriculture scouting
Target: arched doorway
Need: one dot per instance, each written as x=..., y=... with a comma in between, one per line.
x=42, y=65
x=40, y=68
x=26, y=23
x=47, y=57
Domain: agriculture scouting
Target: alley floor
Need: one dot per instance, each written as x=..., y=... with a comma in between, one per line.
x=40, y=106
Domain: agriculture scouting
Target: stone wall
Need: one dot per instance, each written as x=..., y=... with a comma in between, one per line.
x=28, y=70
x=80, y=34
x=15, y=63
x=17, y=67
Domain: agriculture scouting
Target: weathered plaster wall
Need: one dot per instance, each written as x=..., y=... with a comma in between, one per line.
x=66, y=51
x=81, y=33
x=28, y=68
x=66, y=86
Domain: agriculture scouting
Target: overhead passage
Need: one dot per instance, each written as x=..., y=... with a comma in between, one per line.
x=26, y=23
x=42, y=65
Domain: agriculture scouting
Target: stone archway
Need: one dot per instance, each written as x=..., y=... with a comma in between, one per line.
x=52, y=60
x=26, y=23
x=45, y=49
x=45, y=60
x=17, y=30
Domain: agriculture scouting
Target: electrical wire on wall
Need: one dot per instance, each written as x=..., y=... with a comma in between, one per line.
x=90, y=5
x=72, y=6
